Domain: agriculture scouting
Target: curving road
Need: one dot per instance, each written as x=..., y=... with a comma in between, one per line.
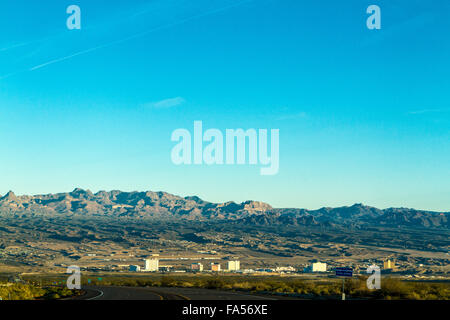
x=136, y=293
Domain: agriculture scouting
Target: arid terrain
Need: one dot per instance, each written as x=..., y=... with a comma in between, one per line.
x=108, y=231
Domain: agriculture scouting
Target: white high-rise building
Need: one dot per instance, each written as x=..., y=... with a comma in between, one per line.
x=234, y=265
x=319, y=267
x=151, y=265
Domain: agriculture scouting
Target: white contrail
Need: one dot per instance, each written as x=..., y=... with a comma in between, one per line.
x=67, y=57
x=15, y=46
x=9, y=75
x=141, y=34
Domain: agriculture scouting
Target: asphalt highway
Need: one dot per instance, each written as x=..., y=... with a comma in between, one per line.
x=133, y=293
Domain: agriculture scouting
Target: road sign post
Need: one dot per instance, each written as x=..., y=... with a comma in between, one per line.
x=344, y=273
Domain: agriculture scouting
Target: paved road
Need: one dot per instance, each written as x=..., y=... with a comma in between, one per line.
x=126, y=293
x=132, y=293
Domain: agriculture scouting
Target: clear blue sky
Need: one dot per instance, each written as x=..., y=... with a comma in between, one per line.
x=364, y=115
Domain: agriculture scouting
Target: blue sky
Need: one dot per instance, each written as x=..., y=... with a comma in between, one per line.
x=364, y=115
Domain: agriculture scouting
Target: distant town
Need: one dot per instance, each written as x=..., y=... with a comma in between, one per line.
x=210, y=264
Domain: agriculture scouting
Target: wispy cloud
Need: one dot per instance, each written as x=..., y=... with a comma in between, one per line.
x=9, y=75
x=423, y=111
x=166, y=103
x=292, y=116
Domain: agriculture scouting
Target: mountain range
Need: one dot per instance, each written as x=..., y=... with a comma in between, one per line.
x=162, y=206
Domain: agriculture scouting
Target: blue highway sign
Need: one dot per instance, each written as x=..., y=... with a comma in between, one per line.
x=344, y=272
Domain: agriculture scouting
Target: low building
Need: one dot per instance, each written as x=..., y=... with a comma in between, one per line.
x=215, y=266
x=316, y=267
x=388, y=264
x=134, y=268
x=165, y=268
x=234, y=265
x=285, y=269
x=197, y=267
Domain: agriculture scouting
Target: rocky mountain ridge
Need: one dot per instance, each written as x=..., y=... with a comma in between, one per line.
x=162, y=205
